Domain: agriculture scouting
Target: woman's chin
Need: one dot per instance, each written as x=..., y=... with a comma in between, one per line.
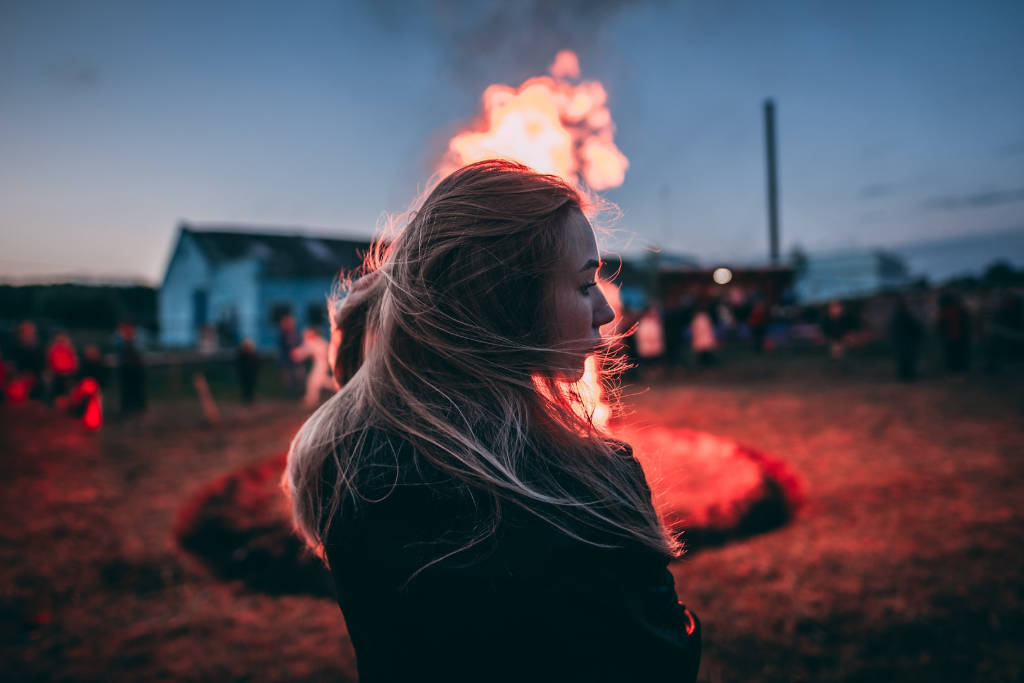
x=577, y=371
x=571, y=366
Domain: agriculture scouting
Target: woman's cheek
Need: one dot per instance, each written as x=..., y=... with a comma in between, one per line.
x=332, y=352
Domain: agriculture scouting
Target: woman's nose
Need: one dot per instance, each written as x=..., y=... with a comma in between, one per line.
x=604, y=313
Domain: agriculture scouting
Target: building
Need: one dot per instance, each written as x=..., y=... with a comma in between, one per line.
x=240, y=283
x=850, y=274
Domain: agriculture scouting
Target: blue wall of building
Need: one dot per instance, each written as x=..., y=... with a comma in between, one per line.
x=234, y=298
x=847, y=274
x=187, y=274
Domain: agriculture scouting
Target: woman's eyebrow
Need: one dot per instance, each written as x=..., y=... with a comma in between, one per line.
x=590, y=264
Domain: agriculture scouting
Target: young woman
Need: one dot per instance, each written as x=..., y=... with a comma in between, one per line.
x=478, y=526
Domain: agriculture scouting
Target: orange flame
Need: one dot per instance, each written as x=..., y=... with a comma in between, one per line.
x=593, y=396
x=549, y=124
x=554, y=127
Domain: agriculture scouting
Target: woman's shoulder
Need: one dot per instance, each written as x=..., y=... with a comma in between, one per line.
x=400, y=510
x=625, y=452
x=620, y=448
x=379, y=462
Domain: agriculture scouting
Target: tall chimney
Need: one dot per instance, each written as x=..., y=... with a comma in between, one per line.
x=773, y=186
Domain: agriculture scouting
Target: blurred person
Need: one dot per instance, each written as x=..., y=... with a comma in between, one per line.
x=85, y=399
x=758, y=322
x=131, y=372
x=1005, y=338
x=29, y=360
x=93, y=365
x=5, y=376
x=905, y=333
x=954, y=328
x=835, y=328
x=314, y=347
x=725, y=317
x=208, y=341
x=287, y=341
x=702, y=338
x=650, y=339
x=676, y=320
x=469, y=510
x=247, y=365
x=61, y=365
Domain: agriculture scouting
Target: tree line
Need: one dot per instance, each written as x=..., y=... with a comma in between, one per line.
x=80, y=306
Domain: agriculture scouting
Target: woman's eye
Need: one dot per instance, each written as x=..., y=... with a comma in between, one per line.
x=587, y=287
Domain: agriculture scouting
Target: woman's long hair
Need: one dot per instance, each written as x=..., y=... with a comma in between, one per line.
x=453, y=350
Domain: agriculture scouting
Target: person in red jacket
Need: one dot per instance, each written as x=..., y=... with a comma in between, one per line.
x=477, y=523
x=61, y=365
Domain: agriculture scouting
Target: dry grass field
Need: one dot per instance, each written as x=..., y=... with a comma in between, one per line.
x=905, y=563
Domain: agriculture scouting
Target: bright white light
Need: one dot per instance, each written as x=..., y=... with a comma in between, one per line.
x=722, y=276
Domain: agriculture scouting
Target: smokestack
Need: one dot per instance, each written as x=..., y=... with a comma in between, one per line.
x=773, y=186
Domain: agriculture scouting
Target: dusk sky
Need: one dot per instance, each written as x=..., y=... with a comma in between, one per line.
x=897, y=121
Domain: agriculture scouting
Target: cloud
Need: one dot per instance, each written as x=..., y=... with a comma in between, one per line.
x=74, y=72
x=1011, y=150
x=528, y=33
x=872, y=217
x=979, y=200
x=877, y=190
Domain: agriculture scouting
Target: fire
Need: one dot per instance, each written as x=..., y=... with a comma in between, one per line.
x=557, y=127
x=547, y=123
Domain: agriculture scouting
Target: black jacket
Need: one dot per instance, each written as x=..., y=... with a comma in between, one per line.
x=529, y=603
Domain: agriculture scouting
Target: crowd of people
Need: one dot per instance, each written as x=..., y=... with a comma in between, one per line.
x=54, y=372
x=691, y=331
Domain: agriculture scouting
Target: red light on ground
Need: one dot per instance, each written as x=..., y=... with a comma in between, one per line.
x=93, y=417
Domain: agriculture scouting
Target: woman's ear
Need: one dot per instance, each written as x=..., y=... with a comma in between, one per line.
x=348, y=327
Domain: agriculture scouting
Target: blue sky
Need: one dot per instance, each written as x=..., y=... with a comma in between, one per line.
x=897, y=121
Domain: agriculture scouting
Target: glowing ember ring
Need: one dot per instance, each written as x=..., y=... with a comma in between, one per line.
x=711, y=489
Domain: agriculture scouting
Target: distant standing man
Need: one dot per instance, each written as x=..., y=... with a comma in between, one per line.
x=247, y=363
x=93, y=365
x=954, y=326
x=758, y=322
x=62, y=365
x=906, y=333
x=835, y=330
x=702, y=335
x=131, y=373
x=315, y=347
x=29, y=359
x=287, y=341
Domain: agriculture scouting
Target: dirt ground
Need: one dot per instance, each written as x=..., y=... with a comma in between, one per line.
x=904, y=564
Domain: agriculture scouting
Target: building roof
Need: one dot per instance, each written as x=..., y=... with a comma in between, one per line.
x=294, y=255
